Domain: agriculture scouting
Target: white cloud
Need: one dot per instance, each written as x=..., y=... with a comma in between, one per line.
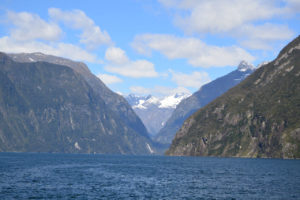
x=139, y=90
x=92, y=36
x=27, y=26
x=194, y=80
x=116, y=55
x=70, y=51
x=158, y=91
x=134, y=69
x=216, y=16
x=29, y=33
x=259, y=37
x=233, y=17
x=120, y=64
x=194, y=50
x=109, y=79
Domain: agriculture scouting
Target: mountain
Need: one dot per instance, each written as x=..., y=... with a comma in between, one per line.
x=116, y=102
x=46, y=107
x=257, y=118
x=154, y=111
x=203, y=96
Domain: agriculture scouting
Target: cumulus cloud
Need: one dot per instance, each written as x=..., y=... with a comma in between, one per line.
x=261, y=36
x=194, y=80
x=229, y=17
x=196, y=52
x=223, y=15
x=70, y=51
x=119, y=63
x=116, y=55
x=109, y=79
x=158, y=91
x=92, y=36
x=27, y=26
x=29, y=33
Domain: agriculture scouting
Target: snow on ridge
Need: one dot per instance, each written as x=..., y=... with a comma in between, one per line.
x=166, y=102
x=153, y=100
x=140, y=104
x=172, y=101
x=262, y=64
x=31, y=59
x=244, y=66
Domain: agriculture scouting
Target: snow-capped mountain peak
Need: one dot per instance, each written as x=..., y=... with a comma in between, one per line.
x=244, y=66
x=153, y=100
x=173, y=100
x=154, y=111
x=141, y=102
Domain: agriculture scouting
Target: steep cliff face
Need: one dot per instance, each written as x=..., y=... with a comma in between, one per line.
x=114, y=101
x=47, y=107
x=257, y=118
x=203, y=96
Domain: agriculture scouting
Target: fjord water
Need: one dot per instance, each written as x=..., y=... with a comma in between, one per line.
x=75, y=176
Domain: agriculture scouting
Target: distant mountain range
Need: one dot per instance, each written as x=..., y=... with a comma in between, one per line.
x=153, y=111
x=52, y=104
x=199, y=99
x=260, y=117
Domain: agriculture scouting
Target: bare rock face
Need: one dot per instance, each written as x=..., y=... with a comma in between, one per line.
x=115, y=101
x=47, y=107
x=257, y=118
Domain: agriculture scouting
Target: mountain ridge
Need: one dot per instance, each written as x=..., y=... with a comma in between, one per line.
x=115, y=101
x=200, y=98
x=257, y=118
x=46, y=107
x=155, y=111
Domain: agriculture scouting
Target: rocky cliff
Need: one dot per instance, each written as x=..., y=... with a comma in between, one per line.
x=116, y=102
x=260, y=117
x=46, y=107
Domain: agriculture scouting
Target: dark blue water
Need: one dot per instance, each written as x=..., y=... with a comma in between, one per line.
x=71, y=176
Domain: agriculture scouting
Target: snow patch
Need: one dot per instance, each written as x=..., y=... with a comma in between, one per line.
x=140, y=105
x=31, y=59
x=166, y=102
x=262, y=64
x=153, y=100
x=39, y=54
x=244, y=66
x=149, y=148
x=76, y=145
x=173, y=100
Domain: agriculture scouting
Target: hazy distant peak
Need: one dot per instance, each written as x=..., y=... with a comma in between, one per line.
x=244, y=66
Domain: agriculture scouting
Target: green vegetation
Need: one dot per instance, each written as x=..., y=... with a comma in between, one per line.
x=260, y=117
x=47, y=107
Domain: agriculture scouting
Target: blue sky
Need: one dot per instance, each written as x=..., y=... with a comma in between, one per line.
x=152, y=46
